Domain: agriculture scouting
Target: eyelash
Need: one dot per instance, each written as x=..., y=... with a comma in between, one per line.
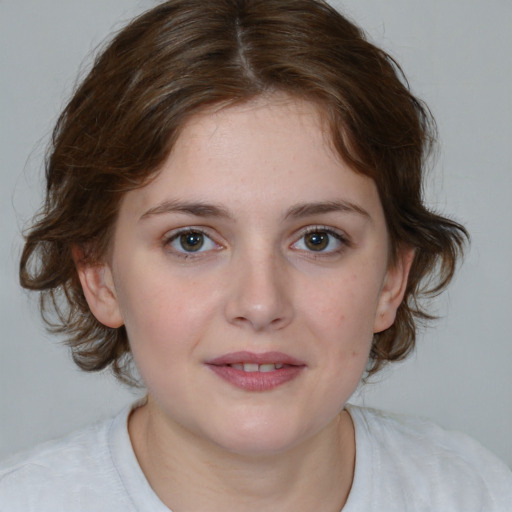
x=176, y=235
x=339, y=237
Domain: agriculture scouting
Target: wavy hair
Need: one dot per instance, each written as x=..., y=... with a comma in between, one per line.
x=186, y=55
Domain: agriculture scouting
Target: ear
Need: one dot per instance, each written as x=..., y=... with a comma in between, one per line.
x=99, y=290
x=393, y=290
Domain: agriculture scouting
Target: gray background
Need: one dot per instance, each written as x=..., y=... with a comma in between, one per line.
x=457, y=57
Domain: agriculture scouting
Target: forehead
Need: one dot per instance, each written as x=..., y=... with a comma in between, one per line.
x=272, y=151
x=273, y=122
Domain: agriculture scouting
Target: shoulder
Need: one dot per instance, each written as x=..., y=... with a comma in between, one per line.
x=65, y=474
x=425, y=463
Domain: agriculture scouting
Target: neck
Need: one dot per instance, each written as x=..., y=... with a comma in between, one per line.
x=188, y=473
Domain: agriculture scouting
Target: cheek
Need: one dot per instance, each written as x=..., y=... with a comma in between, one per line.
x=163, y=313
x=348, y=303
x=163, y=328
x=341, y=320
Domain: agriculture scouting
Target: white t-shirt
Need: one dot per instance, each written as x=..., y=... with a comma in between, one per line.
x=402, y=464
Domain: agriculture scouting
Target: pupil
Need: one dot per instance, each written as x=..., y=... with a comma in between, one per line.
x=317, y=241
x=192, y=241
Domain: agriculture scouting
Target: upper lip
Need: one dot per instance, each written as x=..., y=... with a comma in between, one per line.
x=251, y=357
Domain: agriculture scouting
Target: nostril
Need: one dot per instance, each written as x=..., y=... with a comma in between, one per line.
x=259, y=299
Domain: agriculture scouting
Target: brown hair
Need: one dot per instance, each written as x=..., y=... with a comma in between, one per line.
x=184, y=55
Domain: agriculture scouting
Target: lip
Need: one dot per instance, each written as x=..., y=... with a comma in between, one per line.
x=251, y=357
x=256, y=381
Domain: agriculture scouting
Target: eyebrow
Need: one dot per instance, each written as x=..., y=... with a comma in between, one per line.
x=307, y=209
x=201, y=209
x=198, y=209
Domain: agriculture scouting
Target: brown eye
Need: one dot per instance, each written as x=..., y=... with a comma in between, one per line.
x=323, y=241
x=317, y=240
x=191, y=241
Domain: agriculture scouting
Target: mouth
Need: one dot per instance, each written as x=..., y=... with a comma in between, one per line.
x=255, y=367
x=256, y=372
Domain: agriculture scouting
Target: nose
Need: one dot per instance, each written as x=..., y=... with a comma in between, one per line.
x=259, y=293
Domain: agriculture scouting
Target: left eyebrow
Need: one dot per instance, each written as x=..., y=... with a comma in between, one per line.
x=198, y=209
x=307, y=209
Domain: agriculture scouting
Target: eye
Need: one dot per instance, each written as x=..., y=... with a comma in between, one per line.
x=317, y=241
x=321, y=240
x=191, y=241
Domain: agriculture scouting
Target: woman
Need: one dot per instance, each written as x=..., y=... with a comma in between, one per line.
x=234, y=205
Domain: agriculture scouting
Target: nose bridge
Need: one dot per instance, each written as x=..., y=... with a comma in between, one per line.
x=260, y=291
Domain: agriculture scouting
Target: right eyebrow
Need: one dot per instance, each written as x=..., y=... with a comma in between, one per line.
x=198, y=209
x=306, y=209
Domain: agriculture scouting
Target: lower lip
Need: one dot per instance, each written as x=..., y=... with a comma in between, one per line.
x=256, y=381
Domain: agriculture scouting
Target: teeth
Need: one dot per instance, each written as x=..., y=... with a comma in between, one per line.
x=254, y=367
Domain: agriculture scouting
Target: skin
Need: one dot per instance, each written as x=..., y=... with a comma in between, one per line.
x=257, y=284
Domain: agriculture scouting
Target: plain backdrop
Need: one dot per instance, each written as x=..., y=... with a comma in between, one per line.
x=457, y=57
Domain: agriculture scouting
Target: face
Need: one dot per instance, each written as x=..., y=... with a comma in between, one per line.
x=251, y=275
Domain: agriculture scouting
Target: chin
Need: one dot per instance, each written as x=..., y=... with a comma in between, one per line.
x=260, y=437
